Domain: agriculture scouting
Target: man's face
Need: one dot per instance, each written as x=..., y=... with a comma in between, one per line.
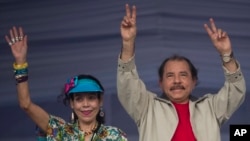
x=177, y=82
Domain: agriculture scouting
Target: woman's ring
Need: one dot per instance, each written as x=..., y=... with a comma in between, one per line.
x=20, y=38
x=17, y=39
x=13, y=40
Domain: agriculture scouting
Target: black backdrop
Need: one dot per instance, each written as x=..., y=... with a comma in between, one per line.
x=68, y=37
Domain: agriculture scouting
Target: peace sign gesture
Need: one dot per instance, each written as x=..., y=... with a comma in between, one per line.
x=219, y=38
x=128, y=24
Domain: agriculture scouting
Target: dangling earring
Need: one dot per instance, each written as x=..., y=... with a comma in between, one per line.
x=72, y=117
x=101, y=113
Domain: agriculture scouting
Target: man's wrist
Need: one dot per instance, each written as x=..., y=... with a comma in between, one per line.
x=226, y=58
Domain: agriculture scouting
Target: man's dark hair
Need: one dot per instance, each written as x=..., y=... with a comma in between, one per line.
x=193, y=70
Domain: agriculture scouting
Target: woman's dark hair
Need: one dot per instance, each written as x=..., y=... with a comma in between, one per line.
x=65, y=98
x=193, y=70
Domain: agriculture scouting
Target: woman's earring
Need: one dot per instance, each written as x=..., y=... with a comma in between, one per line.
x=101, y=113
x=72, y=117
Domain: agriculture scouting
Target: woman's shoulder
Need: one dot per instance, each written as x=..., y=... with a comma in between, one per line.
x=109, y=126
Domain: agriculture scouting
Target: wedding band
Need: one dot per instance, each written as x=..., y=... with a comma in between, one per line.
x=10, y=43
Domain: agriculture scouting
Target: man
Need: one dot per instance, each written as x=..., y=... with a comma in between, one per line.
x=177, y=116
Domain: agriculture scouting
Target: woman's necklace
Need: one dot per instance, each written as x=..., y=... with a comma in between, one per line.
x=86, y=133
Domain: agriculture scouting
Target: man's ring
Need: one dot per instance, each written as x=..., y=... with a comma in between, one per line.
x=10, y=43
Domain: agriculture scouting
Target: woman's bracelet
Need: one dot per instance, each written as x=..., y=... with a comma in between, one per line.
x=21, y=72
x=21, y=79
x=20, y=66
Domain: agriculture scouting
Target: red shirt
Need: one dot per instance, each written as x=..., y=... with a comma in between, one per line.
x=184, y=130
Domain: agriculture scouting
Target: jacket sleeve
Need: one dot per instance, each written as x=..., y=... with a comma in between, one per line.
x=230, y=96
x=132, y=92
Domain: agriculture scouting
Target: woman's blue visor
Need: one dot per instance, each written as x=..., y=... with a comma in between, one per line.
x=82, y=86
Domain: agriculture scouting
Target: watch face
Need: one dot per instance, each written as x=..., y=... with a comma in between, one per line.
x=226, y=59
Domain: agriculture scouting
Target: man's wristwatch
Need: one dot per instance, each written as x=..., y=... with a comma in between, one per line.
x=227, y=57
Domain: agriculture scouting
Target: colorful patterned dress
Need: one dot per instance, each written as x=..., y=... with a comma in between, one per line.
x=59, y=130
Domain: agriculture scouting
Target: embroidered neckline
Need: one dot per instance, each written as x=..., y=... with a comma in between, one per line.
x=86, y=133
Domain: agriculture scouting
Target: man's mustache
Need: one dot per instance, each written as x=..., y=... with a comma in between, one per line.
x=177, y=86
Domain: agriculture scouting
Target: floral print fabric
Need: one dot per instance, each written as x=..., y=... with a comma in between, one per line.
x=59, y=130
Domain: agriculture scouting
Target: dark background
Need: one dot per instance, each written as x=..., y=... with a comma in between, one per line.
x=69, y=37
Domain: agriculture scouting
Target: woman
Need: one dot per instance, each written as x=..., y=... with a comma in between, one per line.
x=84, y=94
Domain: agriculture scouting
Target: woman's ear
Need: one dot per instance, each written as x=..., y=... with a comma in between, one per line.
x=71, y=103
x=101, y=100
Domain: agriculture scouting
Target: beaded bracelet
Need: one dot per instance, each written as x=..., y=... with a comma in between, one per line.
x=22, y=79
x=21, y=71
x=19, y=76
x=20, y=66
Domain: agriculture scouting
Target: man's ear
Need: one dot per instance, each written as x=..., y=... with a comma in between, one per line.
x=194, y=83
x=160, y=83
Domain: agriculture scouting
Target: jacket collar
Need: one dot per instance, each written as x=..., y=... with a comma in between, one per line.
x=192, y=98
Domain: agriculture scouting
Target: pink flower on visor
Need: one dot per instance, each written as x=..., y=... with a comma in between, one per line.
x=70, y=84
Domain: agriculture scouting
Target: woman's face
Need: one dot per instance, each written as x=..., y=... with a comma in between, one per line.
x=86, y=106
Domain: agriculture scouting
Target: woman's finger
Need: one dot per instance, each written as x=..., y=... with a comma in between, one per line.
x=15, y=34
x=20, y=33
